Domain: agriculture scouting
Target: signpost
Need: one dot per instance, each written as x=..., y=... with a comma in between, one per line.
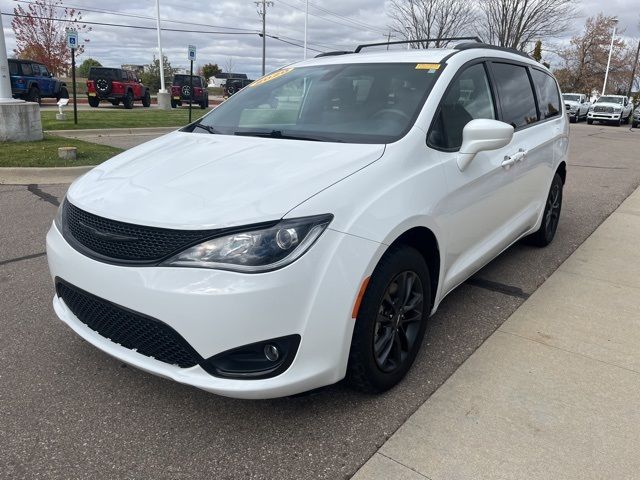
x=72, y=43
x=192, y=58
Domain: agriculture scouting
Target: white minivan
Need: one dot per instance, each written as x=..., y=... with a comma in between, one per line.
x=304, y=231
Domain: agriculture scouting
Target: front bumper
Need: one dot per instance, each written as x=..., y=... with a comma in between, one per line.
x=604, y=116
x=216, y=311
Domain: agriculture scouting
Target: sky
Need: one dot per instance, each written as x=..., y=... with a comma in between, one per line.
x=333, y=25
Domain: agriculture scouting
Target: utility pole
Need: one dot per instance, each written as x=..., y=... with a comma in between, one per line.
x=306, y=21
x=164, y=100
x=606, y=73
x=262, y=11
x=633, y=71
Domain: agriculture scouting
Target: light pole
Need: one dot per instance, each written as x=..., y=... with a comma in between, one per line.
x=606, y=72
x=306, y=21
x=20, y=120
x=164, y=100
x=262, y=5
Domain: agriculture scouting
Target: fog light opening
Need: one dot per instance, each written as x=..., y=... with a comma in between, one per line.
x=271, y=352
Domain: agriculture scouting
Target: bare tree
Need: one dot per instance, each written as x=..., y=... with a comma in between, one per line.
x=229, y=65
x=415, y=19
x=585, y=59
x=516, y=23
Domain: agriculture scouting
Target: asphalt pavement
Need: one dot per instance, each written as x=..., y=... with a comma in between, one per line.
x=69, y=411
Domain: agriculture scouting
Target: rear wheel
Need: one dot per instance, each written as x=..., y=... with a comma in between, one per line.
x=391, y=321
x=174, y=104
x=94, y=102
x=127, y=101
x=146, y=100
x=33, y=95
x=551, y=216
x=63, y=93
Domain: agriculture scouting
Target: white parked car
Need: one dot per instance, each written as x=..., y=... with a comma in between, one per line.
x=305, y=230
x=220, y=80
x=636, y=118
x=576, y=105
x=616, y=109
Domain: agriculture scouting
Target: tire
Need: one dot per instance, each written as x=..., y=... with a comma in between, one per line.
x=127, y=100
x=573, y=119
x=146, y=99
x=203, y=104
x=174, y=104
x=551, y=216
x=589, y=121
x=634, y=125
x=618, y=122
x=34, y=95
x=627, y=120
x=103, y=86
x=94, y=102
x=368, y=369
x=63, y=93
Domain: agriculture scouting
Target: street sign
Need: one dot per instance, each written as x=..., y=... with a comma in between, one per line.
x=72, y=39
x=192, y=53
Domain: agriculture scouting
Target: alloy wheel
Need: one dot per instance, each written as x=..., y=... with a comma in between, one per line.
x=398, y=321
x=552, y=215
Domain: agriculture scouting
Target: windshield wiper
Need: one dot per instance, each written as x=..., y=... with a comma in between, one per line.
x=206, y=128
x=280, y=134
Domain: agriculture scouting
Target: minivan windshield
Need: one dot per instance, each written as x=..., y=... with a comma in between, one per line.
x=610, y=100
x=571, y=98
x=355, y=103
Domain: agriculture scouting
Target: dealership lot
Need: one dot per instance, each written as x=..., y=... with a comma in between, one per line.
x=70, y=411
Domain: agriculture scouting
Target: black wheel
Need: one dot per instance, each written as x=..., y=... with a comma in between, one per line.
x=33, y=95
x=618, y=122
x=63, y=93
x=550, y=217
x=627, y=120
x=174, y=104
x=127, y=100
x=103, y=86
x=573, y=119
x=146, y=100
x=203, y=104
x=589, y=121
x=391, y=321
x=94, y=102
x=634, y=125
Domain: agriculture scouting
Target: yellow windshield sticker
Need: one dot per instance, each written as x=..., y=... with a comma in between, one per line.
x=427, y=66
x=271, y=76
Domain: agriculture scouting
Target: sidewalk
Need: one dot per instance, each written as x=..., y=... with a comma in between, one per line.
x=554, y=393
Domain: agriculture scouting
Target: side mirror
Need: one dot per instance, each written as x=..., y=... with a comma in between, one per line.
x=480, y=135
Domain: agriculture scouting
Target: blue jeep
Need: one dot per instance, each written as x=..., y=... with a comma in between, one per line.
x=32, y=81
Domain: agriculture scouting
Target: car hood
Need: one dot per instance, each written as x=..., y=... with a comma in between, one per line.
x=202, y=181
x=608, y=104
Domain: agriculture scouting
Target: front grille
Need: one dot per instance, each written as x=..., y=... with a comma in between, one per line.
x=126, y=242
x=601, y=109
x=132, y=330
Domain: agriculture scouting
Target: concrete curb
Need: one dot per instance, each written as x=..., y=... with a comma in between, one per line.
x=35, y=175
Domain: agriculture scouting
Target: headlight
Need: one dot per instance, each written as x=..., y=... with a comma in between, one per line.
x=258, y=250
x=617, y=109
x=58, y=218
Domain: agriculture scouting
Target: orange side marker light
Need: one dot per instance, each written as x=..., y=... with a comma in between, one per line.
x=356, y=306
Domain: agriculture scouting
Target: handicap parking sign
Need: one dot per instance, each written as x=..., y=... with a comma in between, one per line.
x=192, y=53
x=72, y=39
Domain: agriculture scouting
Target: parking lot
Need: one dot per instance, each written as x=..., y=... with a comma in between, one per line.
x=70, y=411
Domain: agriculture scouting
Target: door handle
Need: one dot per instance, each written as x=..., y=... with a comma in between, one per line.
x=513, y=159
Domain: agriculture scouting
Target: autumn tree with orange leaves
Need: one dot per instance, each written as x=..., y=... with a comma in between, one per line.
x=41, y=33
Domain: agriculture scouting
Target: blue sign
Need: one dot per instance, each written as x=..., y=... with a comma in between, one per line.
x=72, y=39
x=192, y=53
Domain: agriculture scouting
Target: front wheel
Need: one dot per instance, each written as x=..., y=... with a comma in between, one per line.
x=635, y=125
x=63, y=93
x=551, y=216
x=589, y=121
x=146, y=100
x=33, y=95
x=391, y=321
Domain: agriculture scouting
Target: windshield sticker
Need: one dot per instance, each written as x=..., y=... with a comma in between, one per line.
x=271, y=76
x=427, y=66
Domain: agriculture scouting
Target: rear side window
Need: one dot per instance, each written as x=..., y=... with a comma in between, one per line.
x=13, y=68
x=548, y=95
x=26, y=69
x=468, y=98
x=516, y=96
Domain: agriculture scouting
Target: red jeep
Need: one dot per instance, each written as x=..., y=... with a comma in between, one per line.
x=181, y=91
x=116, y=85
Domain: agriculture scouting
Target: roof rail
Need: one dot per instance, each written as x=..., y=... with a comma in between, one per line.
x=419, y=40
x=331, y=54
x=470, y=45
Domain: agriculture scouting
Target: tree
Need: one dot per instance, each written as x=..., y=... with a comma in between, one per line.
x=83, y=69
x=210, y=70
x=585, y=60
x=415, y=19
x=151, y=75
x=537, y=52
x=516, y=23
x=40, y=32
x=229, y=65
